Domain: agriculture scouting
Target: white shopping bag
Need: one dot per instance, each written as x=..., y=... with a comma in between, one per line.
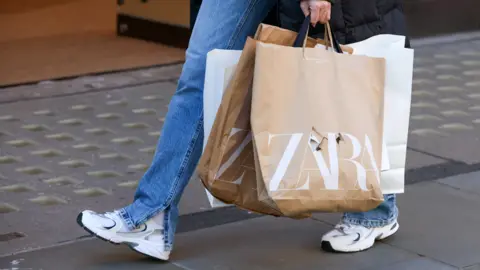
x=398, y=94
x=219, y=70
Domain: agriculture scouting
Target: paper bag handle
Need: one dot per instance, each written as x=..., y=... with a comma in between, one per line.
x=302, y=36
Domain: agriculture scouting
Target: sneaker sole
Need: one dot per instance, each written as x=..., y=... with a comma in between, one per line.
x=389, y=233
x=327, y=246
x=128, y=244
x=145, y=254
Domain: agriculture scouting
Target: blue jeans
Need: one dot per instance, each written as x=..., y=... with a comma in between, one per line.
x=221, y=24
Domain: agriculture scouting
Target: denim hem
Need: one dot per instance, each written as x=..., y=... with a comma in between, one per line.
x=168, y=248
x=168, y=243
x=127, y=218
x=369, y=223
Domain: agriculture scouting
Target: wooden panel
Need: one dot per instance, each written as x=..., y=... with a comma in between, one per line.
x=35, y=59
x=19, y=6
x=175, y=12
x=39, y=18
x=168, y=34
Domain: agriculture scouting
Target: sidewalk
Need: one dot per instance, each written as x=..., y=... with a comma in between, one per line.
x=438, y=231
x=84, y=143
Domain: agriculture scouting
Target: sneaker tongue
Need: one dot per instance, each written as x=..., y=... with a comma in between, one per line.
x=117, y=218
x=140, y=228
x=350, y=228
x=159, y=219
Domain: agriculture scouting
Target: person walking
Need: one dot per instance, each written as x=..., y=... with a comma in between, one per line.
x=148, y=224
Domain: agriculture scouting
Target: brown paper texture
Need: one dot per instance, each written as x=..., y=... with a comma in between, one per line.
x=317, y=119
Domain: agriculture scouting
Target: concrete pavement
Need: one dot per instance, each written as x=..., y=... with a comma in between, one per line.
x=84, y=143
x=438, y=231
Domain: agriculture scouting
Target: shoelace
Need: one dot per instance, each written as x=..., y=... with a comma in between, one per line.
x=344, y=228
x=110, y=215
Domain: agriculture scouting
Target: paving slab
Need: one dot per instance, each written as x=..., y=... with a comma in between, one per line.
x=91, y=255
x=445, y=116
x=472, y=267
x=273, y=243
x=90, y=83
x=466, y=182
x=61, y=155
x=439, y=222
x=419, y=159
x=433, y=234
x=417, y=264
x=422, y=166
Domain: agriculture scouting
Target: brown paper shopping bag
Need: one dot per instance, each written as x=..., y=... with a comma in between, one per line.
x=227, y=167
x=317, y=121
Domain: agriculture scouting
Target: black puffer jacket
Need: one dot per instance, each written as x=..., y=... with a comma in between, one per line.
x=352, y=20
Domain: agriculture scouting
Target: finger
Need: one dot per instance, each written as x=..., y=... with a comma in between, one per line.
x=315, y=15
x=324, y=18
x=326, y=10
x=321, y=16
x=305, y=8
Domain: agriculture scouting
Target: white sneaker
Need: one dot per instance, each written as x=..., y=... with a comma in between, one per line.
x=147, y=239
x=354, y=238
